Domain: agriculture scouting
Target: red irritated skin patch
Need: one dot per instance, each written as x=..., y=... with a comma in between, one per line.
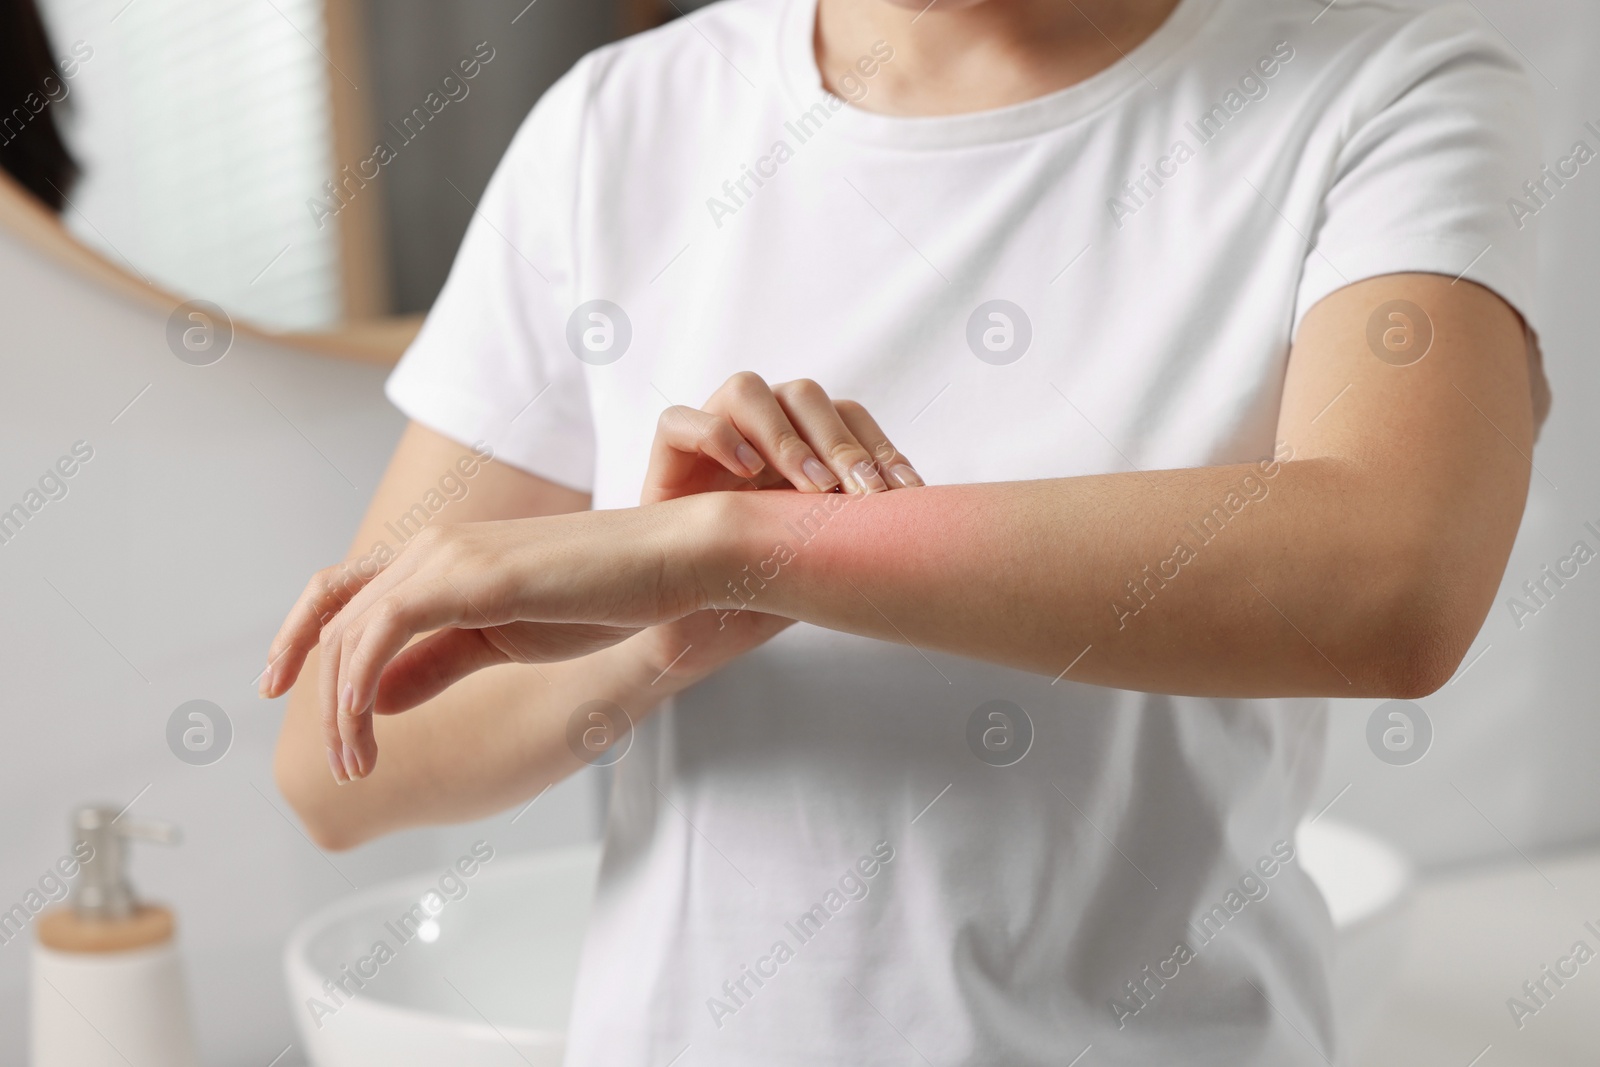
x=829, y=558
x=1175, y=581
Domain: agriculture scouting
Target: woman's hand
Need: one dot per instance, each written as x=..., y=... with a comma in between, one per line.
x=749, y=436
x=538, y=590
x=514, y=591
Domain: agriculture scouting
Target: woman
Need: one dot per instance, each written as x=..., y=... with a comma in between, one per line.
x=1203, y=320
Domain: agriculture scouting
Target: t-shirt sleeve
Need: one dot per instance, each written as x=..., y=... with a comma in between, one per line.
x=491, y=363
x=1440, y=132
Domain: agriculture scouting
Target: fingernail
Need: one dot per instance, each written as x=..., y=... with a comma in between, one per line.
x=750, y=458
x=337, y=768
x=867, y=478
x=352, y=766
x=820, y=476
x=265, y=688
x=903, y=476
x=347, y=699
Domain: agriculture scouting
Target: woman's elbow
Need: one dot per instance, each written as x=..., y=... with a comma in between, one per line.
x=1417, y=662
x=1429, y=626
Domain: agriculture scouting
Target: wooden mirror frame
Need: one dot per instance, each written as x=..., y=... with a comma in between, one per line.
x=379, y=341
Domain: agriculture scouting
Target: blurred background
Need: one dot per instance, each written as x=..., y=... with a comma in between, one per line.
x=208, y=133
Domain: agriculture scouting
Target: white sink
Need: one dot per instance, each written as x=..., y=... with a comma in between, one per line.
x=1369, y=888
x=489, y=982
x=486, y=980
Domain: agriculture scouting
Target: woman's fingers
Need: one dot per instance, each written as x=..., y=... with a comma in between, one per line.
x=327, y=620
x=811, y=410
x=892, y=463
x=380, y=669
x=324, y=597
x=372, y=637
x=683, y=436
x=327, y=592
x=751, y=406
x=794, y=432
x=427, y=668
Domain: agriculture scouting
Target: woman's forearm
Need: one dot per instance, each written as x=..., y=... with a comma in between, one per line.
x=1359, y=559
x=1278, y=578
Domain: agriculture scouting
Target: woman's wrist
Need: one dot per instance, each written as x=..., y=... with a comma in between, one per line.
x=703, y=536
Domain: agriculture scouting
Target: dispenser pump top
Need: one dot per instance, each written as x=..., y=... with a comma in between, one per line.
x=103, y=890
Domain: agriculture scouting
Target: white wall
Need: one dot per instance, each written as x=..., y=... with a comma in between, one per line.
x=159, y=579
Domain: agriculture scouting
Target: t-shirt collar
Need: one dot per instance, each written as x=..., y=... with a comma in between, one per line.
x=1140, y=67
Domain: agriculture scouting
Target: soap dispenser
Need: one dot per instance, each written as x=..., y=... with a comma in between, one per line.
x=108, y=986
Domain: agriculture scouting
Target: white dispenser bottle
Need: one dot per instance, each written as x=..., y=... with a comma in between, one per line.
x=108, y=986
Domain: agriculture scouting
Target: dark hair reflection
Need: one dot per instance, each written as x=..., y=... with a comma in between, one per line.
x=31, y=91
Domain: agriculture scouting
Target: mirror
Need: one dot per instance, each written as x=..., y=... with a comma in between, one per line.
x=305, y=165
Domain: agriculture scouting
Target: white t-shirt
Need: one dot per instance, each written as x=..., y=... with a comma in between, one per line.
x=814, y=857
